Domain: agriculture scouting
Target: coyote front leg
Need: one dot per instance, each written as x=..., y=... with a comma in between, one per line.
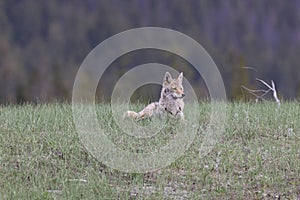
x=147, y=112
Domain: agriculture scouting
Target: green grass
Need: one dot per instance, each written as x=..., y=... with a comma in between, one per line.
x=257, y=157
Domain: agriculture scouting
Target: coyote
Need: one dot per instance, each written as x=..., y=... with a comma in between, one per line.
x=170, y=102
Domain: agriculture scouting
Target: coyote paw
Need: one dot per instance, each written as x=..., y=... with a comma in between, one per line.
x=130, y=114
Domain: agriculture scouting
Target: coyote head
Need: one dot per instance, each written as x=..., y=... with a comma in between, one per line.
x=172, y=88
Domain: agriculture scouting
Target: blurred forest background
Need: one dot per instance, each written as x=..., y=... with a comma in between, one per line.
x=42, y=43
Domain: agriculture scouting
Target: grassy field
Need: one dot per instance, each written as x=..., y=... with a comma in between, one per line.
x=257, y=157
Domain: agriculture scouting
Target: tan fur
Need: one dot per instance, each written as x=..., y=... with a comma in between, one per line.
x=170, y=102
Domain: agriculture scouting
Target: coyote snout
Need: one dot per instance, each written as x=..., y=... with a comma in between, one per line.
x=170, y=102
x=176, y=94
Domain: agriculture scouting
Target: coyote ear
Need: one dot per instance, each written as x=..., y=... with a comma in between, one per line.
x=167, y=79
x=180, y=77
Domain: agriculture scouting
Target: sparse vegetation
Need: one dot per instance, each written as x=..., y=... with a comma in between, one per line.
x=258, y=157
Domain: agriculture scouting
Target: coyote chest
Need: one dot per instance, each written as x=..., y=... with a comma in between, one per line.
x=170, y=102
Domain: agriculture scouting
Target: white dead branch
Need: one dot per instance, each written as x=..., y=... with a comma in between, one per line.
x=259, y=94
x=250, y=68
